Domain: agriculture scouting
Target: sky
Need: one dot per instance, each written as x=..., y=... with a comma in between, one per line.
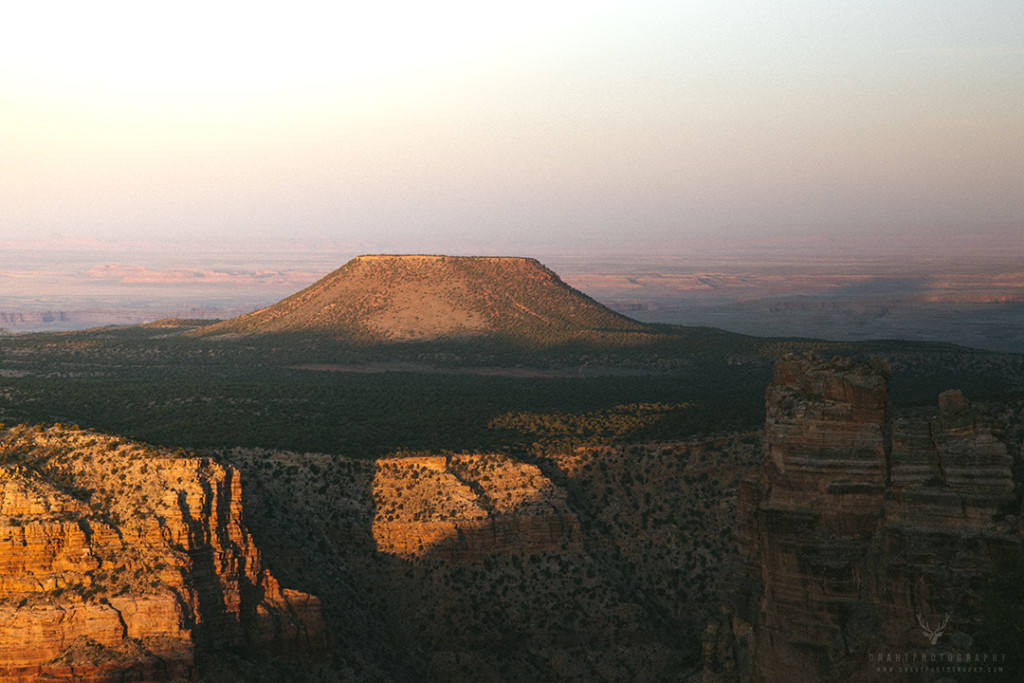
x=500, y=127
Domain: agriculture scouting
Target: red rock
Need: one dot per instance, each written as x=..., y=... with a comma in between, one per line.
x=115, y=558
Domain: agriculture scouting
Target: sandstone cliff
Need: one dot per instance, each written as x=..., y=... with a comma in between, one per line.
x=119, y=561
x=867, y=538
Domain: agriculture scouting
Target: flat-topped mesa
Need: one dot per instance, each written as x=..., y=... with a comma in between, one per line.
x=420, y=297
x=826, y=426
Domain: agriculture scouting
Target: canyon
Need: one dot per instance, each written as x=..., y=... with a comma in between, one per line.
x=462, y=468
x=592, y=563
x=845, y=532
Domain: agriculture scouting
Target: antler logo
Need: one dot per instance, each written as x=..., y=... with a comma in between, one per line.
x=932, y=634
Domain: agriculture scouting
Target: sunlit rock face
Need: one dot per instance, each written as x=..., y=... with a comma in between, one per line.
x=863, y=535
x=465, y=507
x=120, y=560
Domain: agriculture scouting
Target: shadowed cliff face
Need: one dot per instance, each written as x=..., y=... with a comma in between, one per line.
x=120, y=560
x=864, y=535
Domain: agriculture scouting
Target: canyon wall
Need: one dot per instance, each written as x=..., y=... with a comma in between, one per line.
x=590, y=563
x=867, y=538
x=118, y=561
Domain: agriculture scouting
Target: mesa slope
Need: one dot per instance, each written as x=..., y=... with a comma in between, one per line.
x=422, y=298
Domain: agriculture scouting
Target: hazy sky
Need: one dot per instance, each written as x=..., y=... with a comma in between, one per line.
x=508, y=127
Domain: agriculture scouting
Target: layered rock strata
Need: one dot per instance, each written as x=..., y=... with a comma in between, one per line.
x=949, y=469
x=864, y=536
x=120, y=561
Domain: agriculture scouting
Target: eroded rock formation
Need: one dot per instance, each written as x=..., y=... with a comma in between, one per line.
x=865, y=536
x=120, y=560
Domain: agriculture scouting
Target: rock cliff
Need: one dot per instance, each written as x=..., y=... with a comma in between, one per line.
x=869, y=540
x=120, y=561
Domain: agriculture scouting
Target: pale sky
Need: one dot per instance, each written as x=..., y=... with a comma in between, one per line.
x=496, y=127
